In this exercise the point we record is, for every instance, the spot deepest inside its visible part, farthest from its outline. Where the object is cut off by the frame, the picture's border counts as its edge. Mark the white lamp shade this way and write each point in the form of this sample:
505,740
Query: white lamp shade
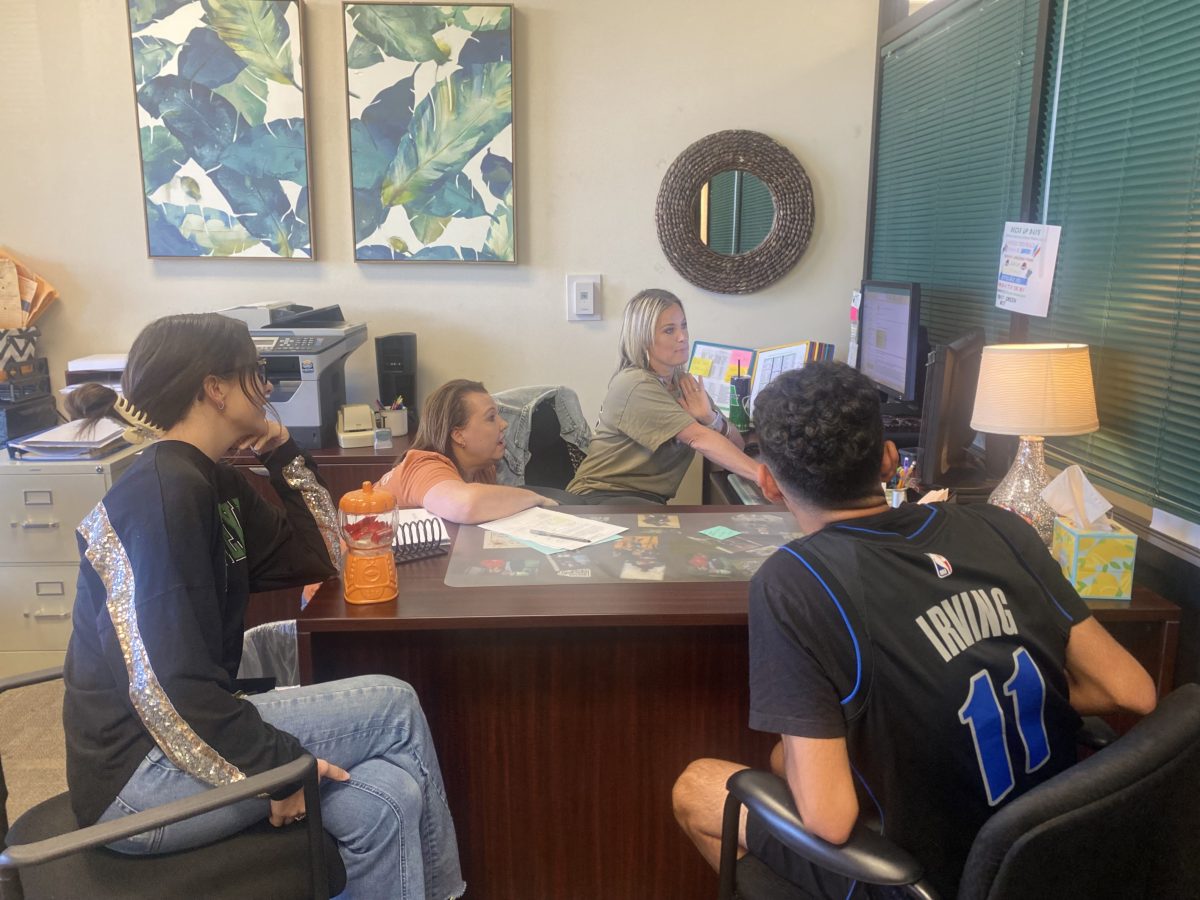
1035,389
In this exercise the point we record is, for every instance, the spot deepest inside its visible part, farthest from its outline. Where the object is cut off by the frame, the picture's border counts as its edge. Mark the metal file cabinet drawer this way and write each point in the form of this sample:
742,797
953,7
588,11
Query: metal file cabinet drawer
39,514
35,607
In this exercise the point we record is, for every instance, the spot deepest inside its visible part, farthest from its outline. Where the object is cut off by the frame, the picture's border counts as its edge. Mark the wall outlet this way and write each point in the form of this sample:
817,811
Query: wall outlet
583,298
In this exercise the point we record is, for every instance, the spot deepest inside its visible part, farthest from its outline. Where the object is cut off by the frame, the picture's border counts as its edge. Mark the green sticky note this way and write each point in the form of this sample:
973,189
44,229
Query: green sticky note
720,532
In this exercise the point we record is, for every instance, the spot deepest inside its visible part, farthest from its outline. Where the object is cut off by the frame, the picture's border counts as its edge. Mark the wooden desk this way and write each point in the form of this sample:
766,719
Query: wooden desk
563,715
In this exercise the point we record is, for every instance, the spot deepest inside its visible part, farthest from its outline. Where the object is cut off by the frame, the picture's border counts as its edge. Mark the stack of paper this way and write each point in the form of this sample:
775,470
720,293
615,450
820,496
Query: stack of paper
24,295
550,532
75,440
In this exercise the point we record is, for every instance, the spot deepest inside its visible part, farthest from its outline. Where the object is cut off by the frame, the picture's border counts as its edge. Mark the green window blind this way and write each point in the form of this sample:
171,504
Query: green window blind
1122,177
740,212
953,116
721,212
757,213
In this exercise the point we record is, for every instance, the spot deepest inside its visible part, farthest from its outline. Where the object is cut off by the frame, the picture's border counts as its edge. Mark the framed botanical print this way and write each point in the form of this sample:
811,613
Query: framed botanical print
222,133
429,94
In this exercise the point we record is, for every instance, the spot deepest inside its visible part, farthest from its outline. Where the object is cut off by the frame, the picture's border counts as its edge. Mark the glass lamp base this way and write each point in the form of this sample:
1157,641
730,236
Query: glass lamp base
1021,489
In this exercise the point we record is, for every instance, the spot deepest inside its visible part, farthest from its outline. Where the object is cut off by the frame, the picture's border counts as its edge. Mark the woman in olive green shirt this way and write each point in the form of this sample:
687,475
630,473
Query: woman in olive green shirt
655,415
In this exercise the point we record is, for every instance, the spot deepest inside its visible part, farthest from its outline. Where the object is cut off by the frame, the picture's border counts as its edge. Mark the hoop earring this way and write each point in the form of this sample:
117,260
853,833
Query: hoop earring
221,406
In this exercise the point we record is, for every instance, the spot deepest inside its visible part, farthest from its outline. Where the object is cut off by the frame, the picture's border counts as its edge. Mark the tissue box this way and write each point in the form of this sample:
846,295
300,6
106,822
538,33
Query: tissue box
1098,563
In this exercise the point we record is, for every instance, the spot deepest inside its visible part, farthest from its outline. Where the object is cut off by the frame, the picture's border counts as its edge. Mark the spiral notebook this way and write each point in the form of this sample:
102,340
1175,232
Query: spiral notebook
419,535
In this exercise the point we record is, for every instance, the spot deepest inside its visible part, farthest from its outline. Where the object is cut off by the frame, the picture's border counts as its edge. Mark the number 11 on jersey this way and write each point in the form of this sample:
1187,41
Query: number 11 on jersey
983,713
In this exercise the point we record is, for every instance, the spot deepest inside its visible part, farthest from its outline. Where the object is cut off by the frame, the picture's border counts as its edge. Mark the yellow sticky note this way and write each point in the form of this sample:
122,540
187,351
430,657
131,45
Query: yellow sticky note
731,372
701,366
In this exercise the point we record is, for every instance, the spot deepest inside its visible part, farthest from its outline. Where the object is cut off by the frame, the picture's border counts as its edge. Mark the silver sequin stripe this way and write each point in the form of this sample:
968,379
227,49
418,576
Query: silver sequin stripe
167,727
301,478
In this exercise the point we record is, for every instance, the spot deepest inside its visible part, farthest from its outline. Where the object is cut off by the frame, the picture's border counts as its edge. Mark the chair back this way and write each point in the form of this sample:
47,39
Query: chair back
547,437
1122,823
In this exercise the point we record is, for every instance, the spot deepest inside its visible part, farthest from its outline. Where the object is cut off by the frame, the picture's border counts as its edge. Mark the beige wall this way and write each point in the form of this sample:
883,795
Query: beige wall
607,94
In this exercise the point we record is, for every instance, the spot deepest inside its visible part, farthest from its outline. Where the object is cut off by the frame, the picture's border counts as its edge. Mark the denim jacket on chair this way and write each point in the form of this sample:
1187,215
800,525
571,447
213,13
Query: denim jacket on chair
516,405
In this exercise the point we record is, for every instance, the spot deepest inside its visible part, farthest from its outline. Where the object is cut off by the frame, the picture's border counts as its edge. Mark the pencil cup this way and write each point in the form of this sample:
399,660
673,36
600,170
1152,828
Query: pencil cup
396,421
895,496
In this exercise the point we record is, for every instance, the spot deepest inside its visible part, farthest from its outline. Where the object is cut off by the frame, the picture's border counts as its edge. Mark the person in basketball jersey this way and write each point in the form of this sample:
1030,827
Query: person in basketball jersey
924,665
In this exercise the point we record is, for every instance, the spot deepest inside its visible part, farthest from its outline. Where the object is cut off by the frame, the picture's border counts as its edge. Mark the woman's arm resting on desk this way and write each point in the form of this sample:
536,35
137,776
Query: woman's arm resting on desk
720,450
470,504
1102,675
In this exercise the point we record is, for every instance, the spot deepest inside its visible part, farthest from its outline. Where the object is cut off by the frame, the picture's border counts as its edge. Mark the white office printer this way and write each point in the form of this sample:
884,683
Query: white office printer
306,351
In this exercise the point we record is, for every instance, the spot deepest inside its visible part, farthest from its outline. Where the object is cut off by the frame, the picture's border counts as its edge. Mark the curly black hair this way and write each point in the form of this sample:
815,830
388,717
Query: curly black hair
821,433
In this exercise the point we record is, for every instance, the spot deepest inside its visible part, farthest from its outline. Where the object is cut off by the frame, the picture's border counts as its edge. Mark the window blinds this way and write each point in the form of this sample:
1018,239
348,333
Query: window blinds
1123,180
951,135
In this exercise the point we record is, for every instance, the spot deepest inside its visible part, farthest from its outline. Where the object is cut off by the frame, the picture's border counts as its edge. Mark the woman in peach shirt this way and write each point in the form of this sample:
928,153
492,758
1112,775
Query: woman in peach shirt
450,468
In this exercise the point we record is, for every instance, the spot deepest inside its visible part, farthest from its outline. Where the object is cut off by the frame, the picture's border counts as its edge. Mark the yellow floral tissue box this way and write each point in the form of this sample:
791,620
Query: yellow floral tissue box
1098,563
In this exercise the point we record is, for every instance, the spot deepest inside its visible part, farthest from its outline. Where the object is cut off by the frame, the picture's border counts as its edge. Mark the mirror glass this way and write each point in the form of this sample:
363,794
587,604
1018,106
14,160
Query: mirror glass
735,212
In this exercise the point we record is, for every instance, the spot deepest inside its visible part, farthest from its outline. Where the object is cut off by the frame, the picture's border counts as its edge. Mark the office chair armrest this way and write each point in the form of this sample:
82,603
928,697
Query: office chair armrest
27,678
1095,733
866,856
303,770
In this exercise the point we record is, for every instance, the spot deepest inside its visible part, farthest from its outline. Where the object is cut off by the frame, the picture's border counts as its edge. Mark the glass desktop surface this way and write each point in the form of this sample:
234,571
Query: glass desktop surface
665,547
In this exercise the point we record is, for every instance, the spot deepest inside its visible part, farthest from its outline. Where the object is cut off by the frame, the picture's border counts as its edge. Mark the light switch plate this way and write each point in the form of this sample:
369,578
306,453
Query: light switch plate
583,298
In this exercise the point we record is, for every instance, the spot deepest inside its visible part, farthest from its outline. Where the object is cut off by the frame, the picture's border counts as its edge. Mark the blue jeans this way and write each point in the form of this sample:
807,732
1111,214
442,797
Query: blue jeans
391,820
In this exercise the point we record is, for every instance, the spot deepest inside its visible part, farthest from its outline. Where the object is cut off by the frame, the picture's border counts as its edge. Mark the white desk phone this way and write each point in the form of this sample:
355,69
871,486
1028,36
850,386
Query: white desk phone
356,425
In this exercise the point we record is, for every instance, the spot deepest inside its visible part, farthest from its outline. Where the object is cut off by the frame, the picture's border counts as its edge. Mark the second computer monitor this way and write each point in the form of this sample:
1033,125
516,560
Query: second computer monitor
889,319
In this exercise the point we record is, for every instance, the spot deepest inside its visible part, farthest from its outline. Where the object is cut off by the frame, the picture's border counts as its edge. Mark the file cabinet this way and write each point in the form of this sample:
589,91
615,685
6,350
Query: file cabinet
41,503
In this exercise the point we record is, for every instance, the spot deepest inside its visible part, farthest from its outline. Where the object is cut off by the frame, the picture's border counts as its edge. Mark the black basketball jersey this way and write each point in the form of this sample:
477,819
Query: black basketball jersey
933,639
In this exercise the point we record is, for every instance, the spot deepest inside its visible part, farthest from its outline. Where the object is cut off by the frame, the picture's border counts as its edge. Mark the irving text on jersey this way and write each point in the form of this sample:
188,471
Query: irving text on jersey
965,618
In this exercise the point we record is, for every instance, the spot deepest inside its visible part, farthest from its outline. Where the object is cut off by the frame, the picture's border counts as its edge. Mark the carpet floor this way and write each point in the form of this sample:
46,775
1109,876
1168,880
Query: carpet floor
31,745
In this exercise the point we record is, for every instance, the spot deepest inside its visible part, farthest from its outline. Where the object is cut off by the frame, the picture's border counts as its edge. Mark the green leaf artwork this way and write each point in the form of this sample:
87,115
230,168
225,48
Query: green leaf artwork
401,31
363,53
150,55
221,123
247,94
431,170
257,32
162,157
461,116
482,18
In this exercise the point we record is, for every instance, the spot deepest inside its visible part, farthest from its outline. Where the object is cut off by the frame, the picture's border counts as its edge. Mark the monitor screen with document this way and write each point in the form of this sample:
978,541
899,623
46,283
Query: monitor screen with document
889,321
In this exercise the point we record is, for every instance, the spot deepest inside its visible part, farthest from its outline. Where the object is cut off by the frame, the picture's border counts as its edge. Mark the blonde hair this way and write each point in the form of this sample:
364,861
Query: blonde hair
445,410
637,327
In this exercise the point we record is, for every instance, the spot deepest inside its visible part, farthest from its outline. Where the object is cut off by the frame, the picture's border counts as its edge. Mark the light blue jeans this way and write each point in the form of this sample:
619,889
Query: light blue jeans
391,820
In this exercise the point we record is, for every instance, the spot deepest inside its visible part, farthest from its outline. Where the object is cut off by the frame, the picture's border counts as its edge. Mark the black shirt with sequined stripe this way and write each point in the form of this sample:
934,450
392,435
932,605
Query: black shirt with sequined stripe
169,559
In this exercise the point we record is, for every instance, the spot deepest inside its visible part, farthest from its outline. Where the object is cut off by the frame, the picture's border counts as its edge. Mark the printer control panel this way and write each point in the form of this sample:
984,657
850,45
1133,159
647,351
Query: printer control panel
298,344
304,343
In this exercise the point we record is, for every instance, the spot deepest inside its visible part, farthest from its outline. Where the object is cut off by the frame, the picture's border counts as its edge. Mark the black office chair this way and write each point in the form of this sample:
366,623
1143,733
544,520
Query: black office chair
1124,822
552,461
47,855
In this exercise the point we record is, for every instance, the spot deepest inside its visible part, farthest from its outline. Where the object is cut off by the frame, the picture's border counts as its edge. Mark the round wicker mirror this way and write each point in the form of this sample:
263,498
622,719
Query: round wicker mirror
677,213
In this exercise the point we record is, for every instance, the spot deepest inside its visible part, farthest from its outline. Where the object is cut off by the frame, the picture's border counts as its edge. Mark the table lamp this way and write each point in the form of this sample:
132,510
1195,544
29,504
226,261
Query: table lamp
1035,391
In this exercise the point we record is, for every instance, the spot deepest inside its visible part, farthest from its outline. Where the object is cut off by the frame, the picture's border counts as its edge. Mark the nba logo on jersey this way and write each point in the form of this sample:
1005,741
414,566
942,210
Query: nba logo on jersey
941,565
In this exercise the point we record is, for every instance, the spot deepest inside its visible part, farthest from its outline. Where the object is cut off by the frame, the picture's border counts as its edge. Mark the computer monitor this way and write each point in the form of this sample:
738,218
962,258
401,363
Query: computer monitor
946,434
888,324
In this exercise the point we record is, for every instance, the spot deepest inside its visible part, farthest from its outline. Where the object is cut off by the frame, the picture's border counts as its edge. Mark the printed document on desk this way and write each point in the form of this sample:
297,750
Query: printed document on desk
551,531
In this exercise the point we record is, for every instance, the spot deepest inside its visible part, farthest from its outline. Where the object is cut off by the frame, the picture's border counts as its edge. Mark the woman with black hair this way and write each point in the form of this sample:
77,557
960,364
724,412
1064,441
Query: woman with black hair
169,558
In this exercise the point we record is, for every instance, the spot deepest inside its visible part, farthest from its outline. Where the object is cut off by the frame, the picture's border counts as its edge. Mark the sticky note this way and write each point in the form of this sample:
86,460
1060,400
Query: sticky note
701,366
720,532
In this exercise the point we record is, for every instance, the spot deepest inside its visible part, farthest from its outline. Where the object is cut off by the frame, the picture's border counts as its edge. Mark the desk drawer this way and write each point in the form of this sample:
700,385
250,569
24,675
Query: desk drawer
40,512
35,607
